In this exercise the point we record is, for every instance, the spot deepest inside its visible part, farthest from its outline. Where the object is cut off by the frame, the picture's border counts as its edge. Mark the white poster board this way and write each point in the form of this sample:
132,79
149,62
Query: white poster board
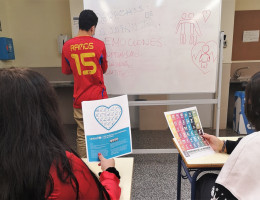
159,46
107,127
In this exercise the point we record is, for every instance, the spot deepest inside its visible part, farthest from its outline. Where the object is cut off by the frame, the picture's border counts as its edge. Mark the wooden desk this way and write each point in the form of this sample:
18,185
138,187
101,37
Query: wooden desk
125,168
198,165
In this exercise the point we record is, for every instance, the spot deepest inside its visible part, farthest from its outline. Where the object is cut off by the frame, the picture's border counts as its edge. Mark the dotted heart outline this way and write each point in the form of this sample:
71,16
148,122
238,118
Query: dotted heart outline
108,109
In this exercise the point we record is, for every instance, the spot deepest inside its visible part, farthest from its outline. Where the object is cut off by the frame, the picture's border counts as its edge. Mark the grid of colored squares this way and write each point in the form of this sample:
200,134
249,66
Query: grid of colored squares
187,130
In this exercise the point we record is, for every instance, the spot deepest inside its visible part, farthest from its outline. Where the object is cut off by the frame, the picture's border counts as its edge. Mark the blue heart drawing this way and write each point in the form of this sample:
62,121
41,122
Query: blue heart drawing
107,117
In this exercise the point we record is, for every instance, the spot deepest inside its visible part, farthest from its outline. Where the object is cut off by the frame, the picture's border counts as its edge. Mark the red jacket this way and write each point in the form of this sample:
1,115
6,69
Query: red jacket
87,185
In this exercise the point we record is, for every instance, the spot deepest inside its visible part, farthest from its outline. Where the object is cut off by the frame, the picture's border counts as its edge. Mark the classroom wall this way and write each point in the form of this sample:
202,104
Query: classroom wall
3,18
247,5
5,27
34,27
227,24
253,65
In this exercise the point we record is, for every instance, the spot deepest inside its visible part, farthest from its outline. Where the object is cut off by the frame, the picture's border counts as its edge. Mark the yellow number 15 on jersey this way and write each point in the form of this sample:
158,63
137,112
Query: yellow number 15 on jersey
80,59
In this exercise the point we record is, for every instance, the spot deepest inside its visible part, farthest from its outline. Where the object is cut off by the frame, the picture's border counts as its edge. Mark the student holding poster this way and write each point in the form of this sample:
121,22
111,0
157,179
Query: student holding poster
35,161
239,177
85,57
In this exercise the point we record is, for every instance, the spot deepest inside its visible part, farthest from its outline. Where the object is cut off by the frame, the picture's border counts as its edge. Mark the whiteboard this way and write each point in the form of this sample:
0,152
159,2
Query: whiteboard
159,46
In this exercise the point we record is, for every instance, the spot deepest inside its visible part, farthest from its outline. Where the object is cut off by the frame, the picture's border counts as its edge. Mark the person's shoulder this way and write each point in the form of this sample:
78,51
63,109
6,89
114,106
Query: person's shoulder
76,161
249,143
252,137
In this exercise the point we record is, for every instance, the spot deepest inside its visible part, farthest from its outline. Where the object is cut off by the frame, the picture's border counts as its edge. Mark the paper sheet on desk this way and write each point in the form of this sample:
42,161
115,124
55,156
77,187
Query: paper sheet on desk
107,127
187,131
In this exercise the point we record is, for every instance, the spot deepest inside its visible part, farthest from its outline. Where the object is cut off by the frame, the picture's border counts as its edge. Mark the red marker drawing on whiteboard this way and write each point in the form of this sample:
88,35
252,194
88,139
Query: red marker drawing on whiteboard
188,21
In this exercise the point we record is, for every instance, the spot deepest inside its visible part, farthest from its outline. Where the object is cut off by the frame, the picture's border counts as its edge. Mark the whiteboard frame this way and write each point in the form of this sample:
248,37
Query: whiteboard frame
216,101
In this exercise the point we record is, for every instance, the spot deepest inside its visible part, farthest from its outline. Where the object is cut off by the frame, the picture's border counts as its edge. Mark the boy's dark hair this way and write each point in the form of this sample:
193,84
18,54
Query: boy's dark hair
87,19
252,102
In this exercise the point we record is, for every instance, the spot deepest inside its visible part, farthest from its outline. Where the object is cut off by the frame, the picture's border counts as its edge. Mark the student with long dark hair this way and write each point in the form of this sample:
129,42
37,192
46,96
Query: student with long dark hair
35,161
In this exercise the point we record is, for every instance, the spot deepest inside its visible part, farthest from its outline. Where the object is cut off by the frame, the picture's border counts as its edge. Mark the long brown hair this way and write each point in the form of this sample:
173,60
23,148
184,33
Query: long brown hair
31,137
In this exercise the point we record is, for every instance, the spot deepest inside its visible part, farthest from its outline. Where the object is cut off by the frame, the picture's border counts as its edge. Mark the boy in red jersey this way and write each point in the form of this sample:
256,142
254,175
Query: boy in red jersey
85,57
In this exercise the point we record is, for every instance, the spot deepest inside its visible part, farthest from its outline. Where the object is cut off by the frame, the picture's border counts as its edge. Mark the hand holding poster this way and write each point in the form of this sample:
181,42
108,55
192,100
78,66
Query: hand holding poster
107,127
187,131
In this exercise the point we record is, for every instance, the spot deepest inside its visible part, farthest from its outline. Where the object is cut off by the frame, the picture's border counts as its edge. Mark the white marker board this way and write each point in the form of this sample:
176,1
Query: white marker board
159,46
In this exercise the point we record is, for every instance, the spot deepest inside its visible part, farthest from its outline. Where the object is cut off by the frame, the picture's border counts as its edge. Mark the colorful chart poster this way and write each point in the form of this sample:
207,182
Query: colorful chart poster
107,127
187,131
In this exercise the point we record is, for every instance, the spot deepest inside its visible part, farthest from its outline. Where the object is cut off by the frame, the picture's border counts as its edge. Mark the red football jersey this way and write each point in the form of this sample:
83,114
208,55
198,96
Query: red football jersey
85,57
